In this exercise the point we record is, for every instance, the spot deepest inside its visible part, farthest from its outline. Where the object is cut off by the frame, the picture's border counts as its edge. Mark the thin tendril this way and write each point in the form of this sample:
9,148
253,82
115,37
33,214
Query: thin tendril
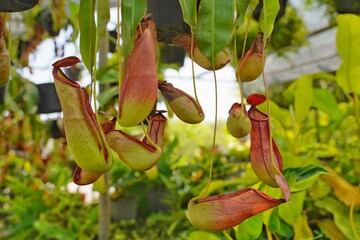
152,143
236,63
202,194
118,41
269,115
193,68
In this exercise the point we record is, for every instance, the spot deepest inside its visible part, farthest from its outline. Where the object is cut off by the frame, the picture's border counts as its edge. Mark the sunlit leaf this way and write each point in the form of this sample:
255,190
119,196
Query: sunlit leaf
132,11
250,228
277,112
291,211
87,33
331,230
214,26
343,190
303,97
348,42
268,16
202,235
302,229
341,215
324,101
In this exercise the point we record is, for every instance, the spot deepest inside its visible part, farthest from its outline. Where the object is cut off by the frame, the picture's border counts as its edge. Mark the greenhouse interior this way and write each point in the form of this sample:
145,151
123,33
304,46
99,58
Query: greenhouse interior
179,119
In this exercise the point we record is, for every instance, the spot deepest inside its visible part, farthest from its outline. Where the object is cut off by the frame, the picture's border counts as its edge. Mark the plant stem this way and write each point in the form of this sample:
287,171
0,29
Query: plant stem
104,199
203,193
104,211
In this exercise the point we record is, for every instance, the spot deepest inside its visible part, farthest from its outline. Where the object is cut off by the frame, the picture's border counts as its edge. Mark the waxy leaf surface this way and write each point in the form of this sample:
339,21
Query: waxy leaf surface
83,134
214,26
218,213
138,92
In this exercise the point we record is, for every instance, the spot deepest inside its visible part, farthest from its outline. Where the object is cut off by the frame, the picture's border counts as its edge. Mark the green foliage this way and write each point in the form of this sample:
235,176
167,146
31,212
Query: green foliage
348,40
241,7
250,228
103,17
303,97
340,214
268,16
189,12
87,33
132,12
214,26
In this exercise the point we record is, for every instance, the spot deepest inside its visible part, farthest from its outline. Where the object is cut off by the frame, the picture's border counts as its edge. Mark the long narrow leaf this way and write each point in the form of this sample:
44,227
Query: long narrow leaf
87,33
348,42
132,11
189,12
268,16
241,5
103,17
214,26
303,97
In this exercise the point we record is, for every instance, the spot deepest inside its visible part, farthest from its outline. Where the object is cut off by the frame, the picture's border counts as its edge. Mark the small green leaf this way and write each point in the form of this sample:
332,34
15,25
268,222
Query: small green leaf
348,42
132,12
303,97
250,228
87,33
291,211
324,101
274,221
268,16
277,112
302,178
189,12
214,26
202,235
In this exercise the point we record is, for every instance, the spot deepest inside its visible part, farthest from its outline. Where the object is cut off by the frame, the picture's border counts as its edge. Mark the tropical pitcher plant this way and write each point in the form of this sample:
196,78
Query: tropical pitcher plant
93,145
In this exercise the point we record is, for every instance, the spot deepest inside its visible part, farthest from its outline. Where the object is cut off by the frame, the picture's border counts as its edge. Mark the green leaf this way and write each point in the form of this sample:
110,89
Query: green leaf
324,101
250,229
302,178
274,221
348,46
189,12
132,11
276,112
103,17
242,6
73,18
341,215
202,235
303,97
87,33
214,26
268,16
291,211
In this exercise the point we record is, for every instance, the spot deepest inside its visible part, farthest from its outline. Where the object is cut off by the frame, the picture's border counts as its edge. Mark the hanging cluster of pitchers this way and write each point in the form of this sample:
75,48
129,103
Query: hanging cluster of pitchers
93,145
